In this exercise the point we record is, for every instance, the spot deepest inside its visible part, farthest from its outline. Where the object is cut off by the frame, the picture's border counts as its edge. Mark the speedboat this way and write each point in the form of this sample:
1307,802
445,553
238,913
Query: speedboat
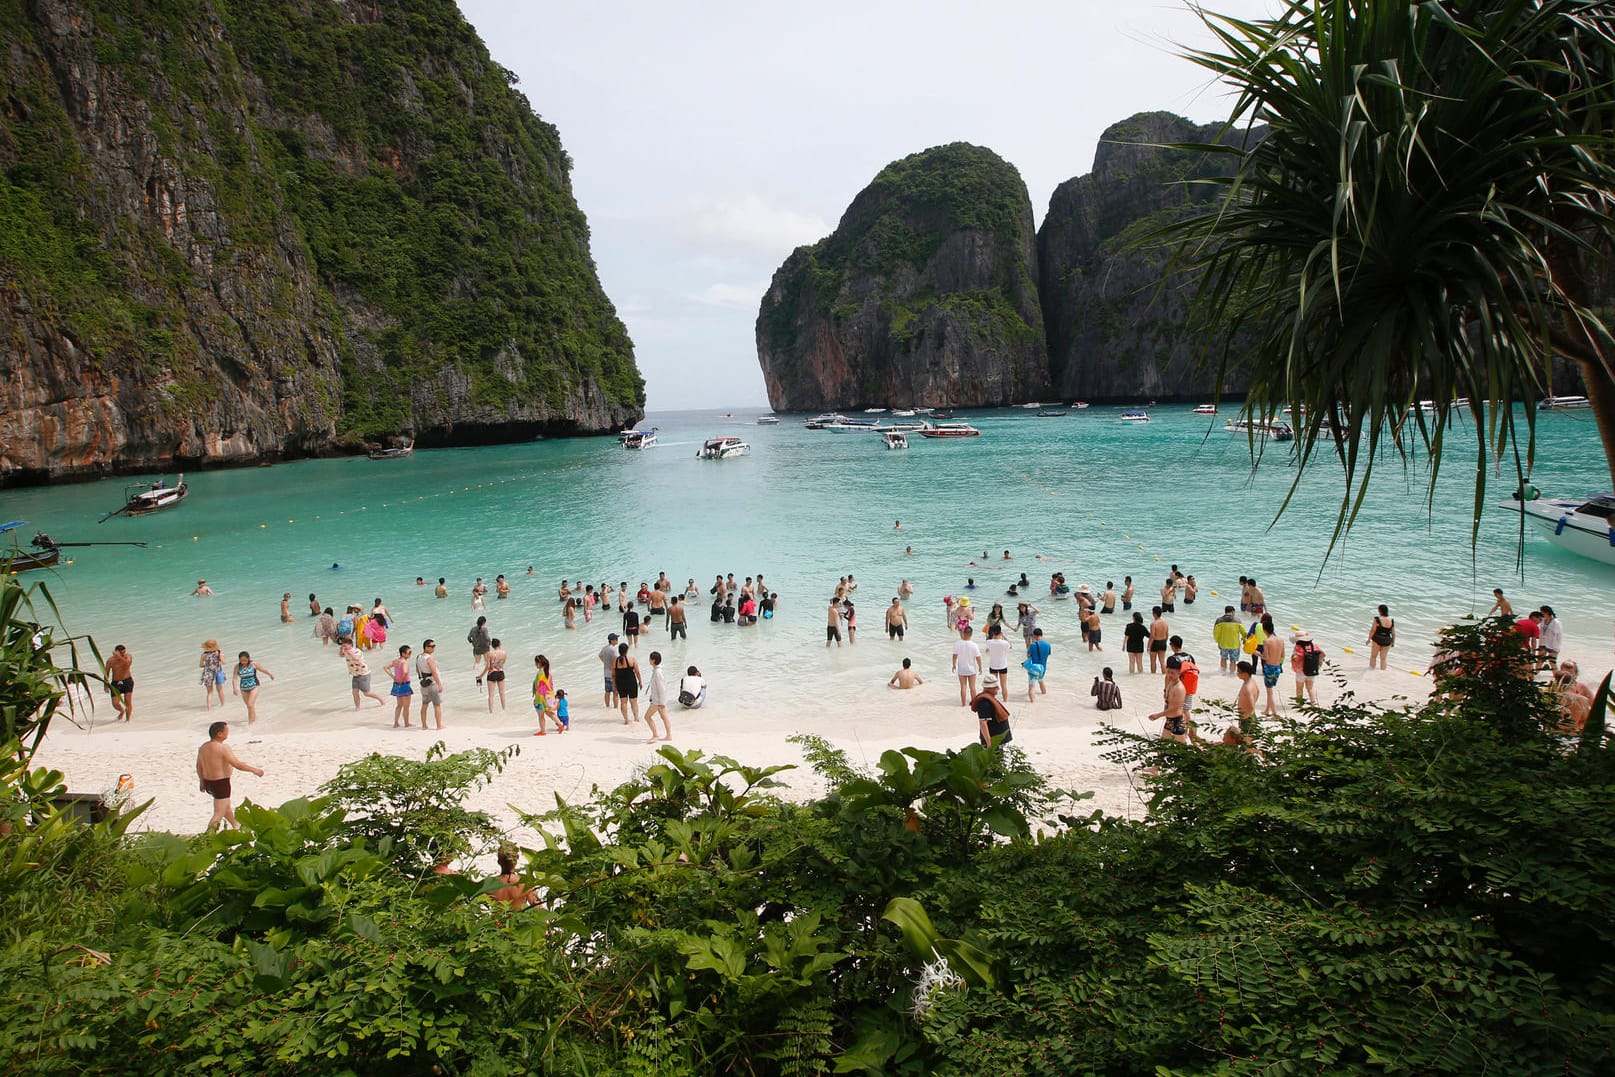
722,448
855,426
1585,527
824,419
767,420
1274,431
1564,403
1080,404
1033,404
1206,409
874,411
1052,413
638,439
903,428
144,498
895,439
903,413
950,430
1135,416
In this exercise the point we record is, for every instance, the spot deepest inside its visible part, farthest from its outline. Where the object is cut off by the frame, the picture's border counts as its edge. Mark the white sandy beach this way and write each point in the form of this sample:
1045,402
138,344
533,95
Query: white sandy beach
1058,734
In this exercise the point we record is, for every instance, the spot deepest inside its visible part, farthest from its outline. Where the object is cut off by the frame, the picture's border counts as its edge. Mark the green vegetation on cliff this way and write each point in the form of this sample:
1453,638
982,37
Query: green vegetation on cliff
349,200
898,223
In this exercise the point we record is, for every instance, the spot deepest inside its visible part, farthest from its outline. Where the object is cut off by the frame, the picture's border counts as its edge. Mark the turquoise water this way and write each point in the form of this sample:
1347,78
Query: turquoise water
1098,498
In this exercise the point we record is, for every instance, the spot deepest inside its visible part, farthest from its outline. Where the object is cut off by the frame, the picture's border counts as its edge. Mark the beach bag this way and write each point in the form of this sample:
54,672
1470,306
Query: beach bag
687,697
1384,634
1251,642
1311,660
1190,674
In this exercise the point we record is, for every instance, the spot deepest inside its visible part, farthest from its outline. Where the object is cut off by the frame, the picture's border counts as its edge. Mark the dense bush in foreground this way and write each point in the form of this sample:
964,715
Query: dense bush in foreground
1411,891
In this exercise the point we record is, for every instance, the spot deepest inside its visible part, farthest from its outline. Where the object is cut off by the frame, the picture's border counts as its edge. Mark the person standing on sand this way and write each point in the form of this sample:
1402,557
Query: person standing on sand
992,717
966,664
1381,637
480,641
1176,726
358,672
625,671
244,683
496,673
121,682
403,692
1159,631
608,656
995,649
212,666
431,681
896,620
832,625
1037,663
214,762
905,677
1272,652
1248,692
544,700
656,699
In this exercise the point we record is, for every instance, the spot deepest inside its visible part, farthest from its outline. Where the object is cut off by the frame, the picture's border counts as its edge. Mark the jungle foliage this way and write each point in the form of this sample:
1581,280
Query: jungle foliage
1415,890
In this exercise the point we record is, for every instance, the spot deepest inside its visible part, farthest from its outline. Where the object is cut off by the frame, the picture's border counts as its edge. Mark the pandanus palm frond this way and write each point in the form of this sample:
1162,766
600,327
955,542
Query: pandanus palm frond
1420,221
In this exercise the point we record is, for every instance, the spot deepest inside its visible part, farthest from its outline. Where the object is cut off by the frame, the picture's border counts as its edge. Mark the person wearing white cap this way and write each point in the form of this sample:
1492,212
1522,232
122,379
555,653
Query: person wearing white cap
992,717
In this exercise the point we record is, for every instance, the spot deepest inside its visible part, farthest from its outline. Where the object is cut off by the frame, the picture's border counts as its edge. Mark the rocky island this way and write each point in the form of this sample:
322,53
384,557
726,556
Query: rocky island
236,232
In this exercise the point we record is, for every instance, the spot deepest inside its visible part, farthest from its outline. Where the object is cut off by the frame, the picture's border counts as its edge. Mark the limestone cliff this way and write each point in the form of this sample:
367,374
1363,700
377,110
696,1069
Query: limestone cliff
1116,318
266,228
925,294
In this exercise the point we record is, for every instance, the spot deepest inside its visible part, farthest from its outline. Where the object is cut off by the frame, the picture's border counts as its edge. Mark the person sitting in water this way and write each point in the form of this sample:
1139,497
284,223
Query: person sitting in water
692,689
905,677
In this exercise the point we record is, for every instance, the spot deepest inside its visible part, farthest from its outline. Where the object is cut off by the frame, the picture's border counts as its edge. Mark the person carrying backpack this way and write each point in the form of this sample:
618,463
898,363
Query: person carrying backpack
1189,676
1306,662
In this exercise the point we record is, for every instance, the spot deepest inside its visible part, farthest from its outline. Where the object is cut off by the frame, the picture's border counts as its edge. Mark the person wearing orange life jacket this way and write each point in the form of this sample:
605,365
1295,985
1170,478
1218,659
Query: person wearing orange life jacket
1189,676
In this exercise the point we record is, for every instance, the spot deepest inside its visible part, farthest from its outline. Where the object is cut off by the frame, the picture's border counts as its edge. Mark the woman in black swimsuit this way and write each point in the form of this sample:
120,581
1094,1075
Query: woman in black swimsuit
625,676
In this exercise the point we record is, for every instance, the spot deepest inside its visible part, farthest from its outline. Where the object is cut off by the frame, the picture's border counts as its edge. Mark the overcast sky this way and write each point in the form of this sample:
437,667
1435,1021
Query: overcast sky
710,139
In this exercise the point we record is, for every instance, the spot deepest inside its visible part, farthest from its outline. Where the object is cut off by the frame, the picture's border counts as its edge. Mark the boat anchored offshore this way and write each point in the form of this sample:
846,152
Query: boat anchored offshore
47,552
824,419
1564,403
1135,416
392,452
950,430
768,420
144,498
637,439
722,448
1585,527
1272,431
895,439
1052,413
1206,409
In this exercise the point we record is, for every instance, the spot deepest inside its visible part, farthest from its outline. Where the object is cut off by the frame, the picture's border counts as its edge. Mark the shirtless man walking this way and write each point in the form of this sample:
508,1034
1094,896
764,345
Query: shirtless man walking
1248,693
121,682
1272,651
214,762
1176,727
896,620
1159,631
832,626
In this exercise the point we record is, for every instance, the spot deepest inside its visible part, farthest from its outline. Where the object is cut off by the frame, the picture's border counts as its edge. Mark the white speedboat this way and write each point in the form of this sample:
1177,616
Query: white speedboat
1080,404
1206,409
1032,406
1564,403
1135,416
722,448
1272,431
824,419
949,430
1585,526
903,413
903,428
874,411
768,420
638,439
895,439
855,426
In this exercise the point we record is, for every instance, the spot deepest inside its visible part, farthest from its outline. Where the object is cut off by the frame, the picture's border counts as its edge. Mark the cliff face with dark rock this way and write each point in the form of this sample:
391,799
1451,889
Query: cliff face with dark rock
925,294
247,230
1116,316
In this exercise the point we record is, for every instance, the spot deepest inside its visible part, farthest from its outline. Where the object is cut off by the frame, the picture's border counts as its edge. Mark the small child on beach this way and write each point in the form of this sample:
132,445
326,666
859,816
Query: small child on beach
562,715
